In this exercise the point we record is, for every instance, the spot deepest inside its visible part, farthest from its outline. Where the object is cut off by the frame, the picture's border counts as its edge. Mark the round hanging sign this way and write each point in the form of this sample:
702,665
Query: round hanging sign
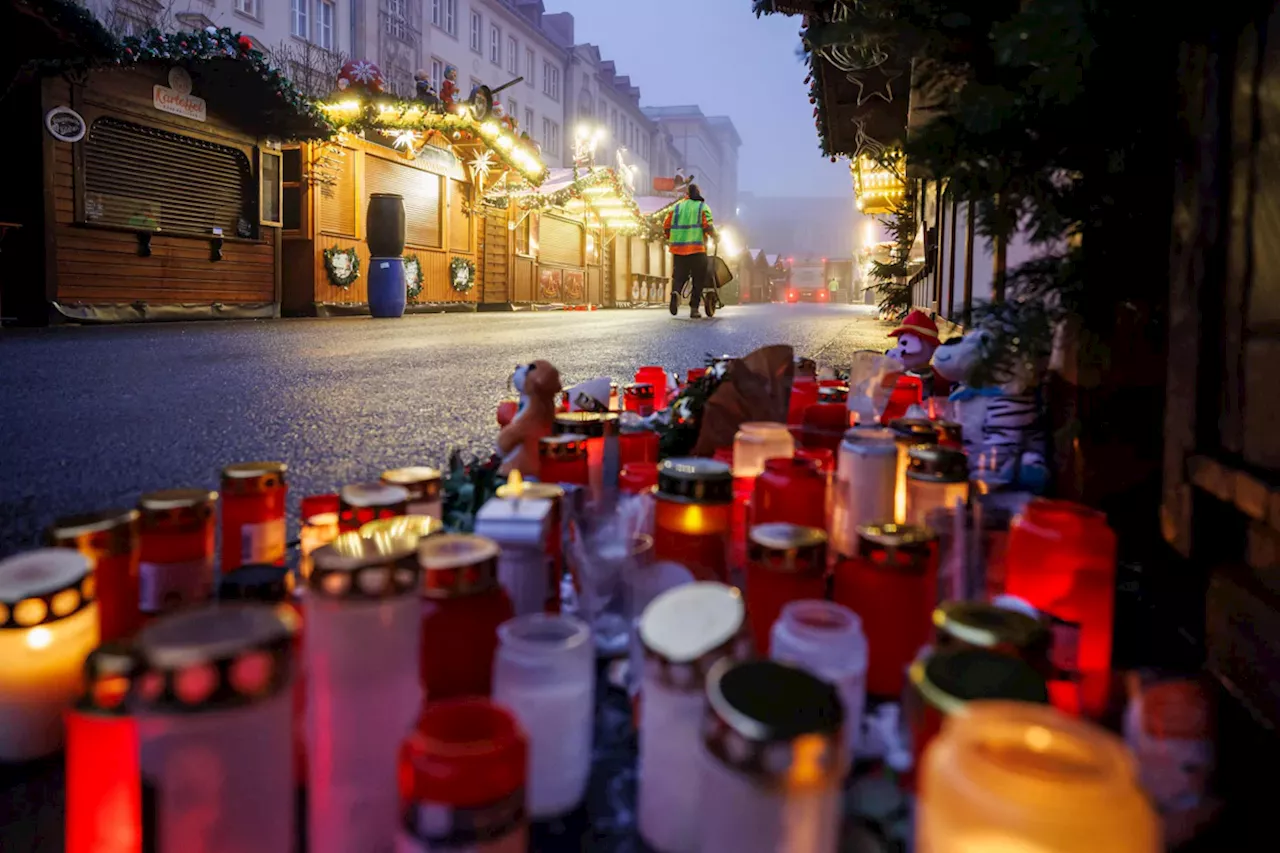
180,80
65,124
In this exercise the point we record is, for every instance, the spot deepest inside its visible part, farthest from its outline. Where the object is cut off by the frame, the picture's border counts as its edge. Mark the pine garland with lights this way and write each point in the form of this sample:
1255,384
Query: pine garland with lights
576,191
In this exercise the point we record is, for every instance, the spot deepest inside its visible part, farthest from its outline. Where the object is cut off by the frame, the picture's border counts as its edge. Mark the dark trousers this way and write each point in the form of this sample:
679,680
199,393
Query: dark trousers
686,267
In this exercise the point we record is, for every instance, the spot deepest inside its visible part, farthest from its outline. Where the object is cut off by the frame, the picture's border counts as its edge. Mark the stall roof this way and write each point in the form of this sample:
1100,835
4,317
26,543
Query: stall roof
54,33
597,190
652,205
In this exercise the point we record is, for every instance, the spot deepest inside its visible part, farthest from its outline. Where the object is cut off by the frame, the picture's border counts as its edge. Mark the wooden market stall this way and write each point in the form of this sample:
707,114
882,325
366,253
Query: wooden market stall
440,161
160,182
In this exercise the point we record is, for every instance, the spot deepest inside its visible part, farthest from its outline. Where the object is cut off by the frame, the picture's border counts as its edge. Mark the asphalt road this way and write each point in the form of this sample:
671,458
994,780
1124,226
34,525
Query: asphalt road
90,417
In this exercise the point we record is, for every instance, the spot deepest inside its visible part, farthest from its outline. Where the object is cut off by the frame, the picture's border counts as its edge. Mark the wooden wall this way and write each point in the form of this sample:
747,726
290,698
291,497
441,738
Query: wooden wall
96,265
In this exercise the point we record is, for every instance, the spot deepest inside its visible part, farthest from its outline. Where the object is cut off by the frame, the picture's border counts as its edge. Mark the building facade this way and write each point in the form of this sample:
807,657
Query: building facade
707,148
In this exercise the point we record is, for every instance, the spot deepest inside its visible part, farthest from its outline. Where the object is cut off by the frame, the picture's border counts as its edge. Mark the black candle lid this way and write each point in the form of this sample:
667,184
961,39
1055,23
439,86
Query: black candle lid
638,389
775,723
914,430
938,464
949,678
566,445
695,480
262,582
788,548
590,424
109,673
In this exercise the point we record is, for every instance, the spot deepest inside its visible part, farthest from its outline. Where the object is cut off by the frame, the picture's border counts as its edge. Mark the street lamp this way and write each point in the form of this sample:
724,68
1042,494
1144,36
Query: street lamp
729,245
586,140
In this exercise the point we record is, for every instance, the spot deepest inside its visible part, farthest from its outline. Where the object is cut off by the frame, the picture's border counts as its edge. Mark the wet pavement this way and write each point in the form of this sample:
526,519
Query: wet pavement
93,416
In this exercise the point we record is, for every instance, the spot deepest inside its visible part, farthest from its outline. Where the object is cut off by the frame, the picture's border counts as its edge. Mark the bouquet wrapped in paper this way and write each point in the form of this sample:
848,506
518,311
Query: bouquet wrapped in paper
756,387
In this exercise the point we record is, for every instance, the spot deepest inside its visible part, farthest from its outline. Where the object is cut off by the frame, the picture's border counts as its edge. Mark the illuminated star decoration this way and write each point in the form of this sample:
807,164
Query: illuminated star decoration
481,165
886,95
406,140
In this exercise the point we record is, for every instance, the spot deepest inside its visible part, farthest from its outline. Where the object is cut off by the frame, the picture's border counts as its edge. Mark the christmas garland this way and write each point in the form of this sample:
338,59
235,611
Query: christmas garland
576,191
462,274
342,266
412,277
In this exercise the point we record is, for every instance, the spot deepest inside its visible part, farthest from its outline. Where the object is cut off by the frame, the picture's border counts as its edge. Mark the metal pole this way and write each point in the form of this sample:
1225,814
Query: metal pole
941,195
968,263
951,285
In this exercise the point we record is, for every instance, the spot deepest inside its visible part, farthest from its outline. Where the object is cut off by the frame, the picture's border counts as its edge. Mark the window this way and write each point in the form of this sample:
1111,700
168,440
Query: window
444,14
528,121
495,44
513,56
477,32
437,73
524,233
324,24
298,18
396,20
513,108
530,65
270,187
550,80
551,137
247,7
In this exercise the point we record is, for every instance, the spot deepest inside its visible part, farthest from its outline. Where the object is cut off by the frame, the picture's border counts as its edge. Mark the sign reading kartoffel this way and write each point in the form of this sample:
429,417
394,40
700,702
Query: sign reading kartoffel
169,100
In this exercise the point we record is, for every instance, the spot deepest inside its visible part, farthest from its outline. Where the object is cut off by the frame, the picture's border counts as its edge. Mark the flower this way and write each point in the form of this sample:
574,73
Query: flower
245,43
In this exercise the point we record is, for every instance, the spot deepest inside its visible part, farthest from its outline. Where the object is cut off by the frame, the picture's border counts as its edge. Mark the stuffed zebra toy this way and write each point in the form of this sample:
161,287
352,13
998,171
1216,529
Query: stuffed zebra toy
1004,430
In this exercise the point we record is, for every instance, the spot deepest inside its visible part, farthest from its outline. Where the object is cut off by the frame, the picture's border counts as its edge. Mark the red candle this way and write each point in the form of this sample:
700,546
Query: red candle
253,514
907,391
462,607
804,393
462,780
891,584
694,374
824,425
109,540
563,459
640,445
104,803
693,511
656,378
785,563
826,459
1062,561
361,503
638,397
319,505
833,391
793,491
176,533
638,477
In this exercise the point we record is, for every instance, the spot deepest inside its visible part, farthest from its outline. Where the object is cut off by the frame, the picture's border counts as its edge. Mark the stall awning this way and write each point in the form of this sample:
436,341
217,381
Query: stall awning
596,193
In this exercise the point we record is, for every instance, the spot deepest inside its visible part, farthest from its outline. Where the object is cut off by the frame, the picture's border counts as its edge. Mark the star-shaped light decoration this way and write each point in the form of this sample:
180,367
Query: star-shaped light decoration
885,94
407,140
481,165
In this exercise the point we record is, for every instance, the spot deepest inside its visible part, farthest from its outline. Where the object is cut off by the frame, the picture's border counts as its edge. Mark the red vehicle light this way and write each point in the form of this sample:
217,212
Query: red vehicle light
793,296
823,296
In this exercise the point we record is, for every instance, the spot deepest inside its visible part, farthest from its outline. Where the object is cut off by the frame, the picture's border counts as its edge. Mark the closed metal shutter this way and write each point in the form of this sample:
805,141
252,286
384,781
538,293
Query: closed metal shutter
459,221
421,191
146,179
560,241
338,197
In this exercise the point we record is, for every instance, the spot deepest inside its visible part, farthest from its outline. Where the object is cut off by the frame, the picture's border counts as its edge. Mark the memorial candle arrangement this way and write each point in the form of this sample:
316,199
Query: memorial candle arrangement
545,674
425,486
104,802
462,606
685,632
1011,776
890,583
772,777
109,540
215,727
176,545
48,626
462,777
563,459
361,503
936,478
253,513
865,485
693,513
785,563
826,639
363,689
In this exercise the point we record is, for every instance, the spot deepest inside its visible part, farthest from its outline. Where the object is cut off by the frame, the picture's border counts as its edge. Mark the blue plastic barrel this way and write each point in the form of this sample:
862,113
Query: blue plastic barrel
387,289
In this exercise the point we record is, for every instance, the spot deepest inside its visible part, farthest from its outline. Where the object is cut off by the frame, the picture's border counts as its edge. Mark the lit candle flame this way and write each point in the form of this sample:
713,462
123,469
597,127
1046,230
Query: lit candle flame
515,485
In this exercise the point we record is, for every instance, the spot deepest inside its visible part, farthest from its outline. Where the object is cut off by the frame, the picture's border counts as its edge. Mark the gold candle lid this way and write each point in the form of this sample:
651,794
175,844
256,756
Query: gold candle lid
417,526
937,464
373,495
354,567
986,626
423,483
44,586
246,478
564,446
687,630
177,505
914,431
70,529
457,564
894,537
789,548
948,679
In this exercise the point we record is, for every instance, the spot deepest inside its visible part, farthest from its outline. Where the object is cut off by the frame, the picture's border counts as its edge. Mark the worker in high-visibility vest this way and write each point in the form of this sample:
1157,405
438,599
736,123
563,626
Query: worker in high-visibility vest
687,227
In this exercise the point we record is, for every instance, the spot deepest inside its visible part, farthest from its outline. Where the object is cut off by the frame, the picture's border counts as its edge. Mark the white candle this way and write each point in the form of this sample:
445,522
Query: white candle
520,527
48,626
866,483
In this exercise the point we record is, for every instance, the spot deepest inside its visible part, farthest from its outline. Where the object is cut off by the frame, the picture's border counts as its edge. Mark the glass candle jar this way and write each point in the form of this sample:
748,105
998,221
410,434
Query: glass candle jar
638,397
545,674
637,445
785,563
792,491
515,489
563,459
319,527
463,772
600,428
215,728
693,512
656,378
363,690
425,486
1062,561
104,809
607,561
462,606
521,528
804,393
865,485
772,777
694,374
908,433
685,631
362,503
936,477
904,392
175,539
110,542
826,639
979,625
1011,776
317,504
638,477
824,425
890,584
756,442
944,681
972,544
48,626
829,393
253,513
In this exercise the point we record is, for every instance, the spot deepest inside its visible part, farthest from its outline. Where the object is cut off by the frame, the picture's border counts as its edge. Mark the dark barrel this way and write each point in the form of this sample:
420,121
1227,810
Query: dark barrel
384,225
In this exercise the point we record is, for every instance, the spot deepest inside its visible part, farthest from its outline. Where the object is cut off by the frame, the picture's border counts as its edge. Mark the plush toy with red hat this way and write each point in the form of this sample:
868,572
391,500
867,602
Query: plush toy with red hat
917,339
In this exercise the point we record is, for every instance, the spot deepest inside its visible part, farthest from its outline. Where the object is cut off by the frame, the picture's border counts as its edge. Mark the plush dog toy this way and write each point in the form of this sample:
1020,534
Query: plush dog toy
538,384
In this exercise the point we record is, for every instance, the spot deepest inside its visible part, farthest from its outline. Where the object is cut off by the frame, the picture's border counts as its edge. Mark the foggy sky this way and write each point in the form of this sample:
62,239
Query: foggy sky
715,53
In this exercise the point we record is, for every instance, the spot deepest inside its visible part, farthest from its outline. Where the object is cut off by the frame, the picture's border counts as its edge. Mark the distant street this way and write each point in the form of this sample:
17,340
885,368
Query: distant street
91,417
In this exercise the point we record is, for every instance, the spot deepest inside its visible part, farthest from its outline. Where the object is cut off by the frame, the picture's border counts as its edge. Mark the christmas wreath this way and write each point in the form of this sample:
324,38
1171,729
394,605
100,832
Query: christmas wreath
342,266
462,274
412,277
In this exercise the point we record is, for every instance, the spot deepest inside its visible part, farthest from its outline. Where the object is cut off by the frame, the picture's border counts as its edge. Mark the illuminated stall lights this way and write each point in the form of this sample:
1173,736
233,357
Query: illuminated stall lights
877,189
